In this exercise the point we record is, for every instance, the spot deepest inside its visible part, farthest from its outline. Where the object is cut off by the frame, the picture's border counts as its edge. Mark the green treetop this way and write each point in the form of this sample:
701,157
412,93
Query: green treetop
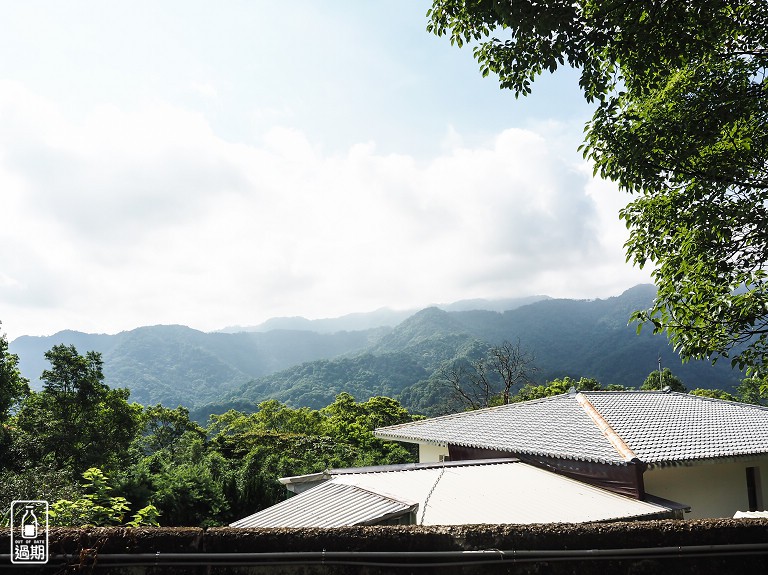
13,387
77,421
681,122
662,379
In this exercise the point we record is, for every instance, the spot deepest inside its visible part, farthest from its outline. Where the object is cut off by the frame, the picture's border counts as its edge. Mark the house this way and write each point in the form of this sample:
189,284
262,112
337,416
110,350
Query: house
710,454
450,493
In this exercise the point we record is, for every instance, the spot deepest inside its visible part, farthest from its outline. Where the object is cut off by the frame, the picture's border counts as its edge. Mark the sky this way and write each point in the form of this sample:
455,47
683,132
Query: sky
219,163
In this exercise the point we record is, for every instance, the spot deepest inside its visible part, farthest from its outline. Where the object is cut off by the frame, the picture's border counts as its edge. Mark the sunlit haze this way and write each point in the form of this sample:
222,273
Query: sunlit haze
215,164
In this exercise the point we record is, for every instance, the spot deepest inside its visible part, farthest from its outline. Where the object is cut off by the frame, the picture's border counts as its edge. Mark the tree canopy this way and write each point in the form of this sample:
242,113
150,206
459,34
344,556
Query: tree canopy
680,122
77,419
13,386
662,379
557,386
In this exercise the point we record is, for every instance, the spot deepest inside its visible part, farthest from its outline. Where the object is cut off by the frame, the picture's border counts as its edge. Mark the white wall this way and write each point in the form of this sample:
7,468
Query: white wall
429,453
711,489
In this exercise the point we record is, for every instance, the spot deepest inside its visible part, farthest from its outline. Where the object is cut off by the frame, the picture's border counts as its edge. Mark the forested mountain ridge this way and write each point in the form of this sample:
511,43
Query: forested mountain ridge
176,365
311,384
209,372
567,338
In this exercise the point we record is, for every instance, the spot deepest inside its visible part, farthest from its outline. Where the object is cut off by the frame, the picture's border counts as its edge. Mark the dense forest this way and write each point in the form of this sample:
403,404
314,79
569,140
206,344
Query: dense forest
305,363
101,459
104,460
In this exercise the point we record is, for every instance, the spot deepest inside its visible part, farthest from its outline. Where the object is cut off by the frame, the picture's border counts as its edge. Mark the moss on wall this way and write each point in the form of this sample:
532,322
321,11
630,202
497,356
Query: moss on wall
107,547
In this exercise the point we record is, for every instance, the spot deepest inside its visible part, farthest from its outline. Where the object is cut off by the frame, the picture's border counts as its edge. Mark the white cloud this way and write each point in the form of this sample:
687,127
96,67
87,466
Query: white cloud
205,90
127,217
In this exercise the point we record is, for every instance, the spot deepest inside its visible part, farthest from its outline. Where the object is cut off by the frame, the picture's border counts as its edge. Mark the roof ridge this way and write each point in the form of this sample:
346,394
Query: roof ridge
461,414
605,428
382,494
428,465
735,403
686,394
633,392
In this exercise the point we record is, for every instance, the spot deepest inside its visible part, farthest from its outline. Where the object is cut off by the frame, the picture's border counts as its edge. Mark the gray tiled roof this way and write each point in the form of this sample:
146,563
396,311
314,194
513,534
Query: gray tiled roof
659,427
667,427
554,426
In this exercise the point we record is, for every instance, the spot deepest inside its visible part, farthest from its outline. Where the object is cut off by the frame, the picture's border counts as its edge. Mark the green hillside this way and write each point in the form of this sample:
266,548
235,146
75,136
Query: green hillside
211,372
177,365
568,338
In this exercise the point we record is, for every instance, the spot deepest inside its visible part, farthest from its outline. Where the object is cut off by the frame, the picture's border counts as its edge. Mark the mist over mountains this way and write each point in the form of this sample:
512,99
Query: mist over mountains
399,354
379,318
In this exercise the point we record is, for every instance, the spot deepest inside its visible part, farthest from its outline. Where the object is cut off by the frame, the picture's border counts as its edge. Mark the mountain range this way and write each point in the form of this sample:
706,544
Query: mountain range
400,354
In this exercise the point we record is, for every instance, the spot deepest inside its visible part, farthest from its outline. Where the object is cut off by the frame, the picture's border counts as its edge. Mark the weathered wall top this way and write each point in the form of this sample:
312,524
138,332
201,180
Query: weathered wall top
701,547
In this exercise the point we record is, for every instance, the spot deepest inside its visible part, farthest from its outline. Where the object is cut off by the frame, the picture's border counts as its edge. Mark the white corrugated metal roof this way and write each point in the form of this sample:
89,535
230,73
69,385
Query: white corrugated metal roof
510,492
328,505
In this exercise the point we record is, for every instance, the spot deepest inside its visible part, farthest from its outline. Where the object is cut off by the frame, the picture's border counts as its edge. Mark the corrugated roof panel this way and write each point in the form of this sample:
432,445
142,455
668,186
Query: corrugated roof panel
501,493
327,505
457,495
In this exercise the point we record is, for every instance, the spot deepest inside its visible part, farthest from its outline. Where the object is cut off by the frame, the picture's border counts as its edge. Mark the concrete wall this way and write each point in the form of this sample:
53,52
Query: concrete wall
711,489
430,453
674,547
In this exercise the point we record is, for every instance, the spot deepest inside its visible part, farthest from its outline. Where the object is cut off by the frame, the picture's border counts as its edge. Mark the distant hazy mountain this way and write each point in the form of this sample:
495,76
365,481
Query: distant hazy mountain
314,360
499,305
383,317
566,337
177,365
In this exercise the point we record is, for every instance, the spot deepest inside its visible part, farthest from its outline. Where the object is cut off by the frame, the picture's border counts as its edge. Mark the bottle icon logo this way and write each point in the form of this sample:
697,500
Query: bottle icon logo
29,523
29,532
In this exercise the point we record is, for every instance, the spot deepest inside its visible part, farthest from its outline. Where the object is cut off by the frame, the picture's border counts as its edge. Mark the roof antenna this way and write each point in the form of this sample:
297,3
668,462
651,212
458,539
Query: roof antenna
661,381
